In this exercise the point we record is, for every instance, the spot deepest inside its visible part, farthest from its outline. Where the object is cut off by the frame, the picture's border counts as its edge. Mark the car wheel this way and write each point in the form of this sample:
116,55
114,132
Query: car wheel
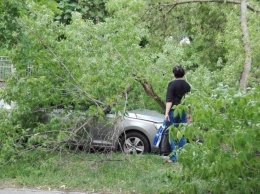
134,143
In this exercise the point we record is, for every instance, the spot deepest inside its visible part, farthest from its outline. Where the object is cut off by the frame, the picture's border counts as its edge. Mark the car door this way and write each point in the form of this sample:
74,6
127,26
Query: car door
105,131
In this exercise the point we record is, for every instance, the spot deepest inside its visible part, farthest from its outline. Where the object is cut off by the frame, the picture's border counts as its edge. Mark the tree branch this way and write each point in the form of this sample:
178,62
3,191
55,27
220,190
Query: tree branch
63,65
207,1
149,90
107,108
97,102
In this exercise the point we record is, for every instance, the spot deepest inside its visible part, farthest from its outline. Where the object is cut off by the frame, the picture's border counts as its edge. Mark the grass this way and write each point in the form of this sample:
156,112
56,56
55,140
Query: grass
103,173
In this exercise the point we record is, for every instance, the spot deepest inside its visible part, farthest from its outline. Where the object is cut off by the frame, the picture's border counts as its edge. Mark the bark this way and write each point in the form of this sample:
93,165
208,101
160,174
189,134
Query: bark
149,91
247,48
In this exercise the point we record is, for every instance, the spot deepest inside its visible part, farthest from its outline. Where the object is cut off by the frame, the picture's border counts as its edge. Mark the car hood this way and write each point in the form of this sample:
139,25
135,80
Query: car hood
144,114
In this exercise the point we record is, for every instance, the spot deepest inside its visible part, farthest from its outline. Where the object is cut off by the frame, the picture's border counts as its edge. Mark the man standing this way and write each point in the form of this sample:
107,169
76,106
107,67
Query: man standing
177,88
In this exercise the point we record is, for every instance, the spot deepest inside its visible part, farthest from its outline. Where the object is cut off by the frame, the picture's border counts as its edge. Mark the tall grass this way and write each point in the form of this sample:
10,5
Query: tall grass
104,173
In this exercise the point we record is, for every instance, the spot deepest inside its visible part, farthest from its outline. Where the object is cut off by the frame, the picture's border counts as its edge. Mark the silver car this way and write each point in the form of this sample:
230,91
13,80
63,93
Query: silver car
132,133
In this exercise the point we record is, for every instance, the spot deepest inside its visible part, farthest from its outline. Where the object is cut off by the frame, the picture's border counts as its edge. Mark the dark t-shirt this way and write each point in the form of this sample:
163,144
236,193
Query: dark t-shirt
176,90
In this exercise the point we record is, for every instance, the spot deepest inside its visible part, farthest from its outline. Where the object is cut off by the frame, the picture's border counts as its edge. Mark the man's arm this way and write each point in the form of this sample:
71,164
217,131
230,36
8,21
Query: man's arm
167,110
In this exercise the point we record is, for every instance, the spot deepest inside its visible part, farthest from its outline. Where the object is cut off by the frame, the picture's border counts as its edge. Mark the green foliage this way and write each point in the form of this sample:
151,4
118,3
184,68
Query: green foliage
9,27
90,10
83,54
228,122
11,11
12,137
202,23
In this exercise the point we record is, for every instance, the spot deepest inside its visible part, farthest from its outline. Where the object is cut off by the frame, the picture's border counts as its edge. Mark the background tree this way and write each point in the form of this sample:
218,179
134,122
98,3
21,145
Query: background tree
247,46
90,10
9,27
207,32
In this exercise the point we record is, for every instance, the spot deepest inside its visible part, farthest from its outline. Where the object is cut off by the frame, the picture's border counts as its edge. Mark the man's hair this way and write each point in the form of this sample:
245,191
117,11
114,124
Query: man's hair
178,71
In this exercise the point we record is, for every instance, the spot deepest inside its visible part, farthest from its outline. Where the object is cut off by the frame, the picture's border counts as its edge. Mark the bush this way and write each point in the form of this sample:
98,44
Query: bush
228,159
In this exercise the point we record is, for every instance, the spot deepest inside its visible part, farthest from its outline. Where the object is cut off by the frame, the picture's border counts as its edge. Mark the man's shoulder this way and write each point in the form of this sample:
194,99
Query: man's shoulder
177,81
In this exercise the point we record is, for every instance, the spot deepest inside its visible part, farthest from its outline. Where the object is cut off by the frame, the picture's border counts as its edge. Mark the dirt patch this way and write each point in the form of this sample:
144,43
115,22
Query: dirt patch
8,184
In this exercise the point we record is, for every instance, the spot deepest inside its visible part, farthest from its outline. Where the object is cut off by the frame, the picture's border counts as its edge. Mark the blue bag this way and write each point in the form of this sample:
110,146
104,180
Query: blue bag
159,134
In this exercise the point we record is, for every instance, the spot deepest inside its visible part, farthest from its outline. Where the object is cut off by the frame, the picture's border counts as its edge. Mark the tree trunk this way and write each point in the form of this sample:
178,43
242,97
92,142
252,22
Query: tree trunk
247,49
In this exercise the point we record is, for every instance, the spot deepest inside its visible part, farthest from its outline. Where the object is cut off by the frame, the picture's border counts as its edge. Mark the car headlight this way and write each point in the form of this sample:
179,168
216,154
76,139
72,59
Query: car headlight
158,125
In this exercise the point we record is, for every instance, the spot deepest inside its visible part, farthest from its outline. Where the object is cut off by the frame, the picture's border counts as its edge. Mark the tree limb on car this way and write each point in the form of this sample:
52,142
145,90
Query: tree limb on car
107,108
